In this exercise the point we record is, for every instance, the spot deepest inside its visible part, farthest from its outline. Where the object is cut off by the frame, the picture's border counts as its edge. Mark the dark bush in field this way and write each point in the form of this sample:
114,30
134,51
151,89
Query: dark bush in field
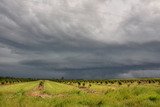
79,84
2,82
90,85
83,84
106,82
119,83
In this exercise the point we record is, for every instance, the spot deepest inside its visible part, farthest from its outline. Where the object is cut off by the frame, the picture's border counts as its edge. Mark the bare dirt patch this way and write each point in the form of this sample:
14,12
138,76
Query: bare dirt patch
86,89
39,91
39,94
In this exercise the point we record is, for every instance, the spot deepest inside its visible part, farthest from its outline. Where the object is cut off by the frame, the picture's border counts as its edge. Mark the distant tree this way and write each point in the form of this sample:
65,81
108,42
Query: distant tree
62,78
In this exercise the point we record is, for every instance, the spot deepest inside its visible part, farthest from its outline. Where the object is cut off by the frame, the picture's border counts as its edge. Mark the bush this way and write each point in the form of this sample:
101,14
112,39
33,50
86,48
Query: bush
83,84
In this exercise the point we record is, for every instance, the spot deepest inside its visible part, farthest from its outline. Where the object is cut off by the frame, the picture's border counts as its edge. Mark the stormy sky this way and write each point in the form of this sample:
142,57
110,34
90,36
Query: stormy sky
89,39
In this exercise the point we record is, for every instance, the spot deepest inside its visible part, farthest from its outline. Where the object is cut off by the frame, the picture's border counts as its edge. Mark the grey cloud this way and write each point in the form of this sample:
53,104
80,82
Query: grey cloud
79,39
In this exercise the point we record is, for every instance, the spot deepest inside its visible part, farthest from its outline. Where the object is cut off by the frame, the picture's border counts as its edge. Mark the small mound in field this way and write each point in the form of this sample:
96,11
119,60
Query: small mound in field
40,88
91,91
42,95
82,87
87,90
60,95
45,95
38,94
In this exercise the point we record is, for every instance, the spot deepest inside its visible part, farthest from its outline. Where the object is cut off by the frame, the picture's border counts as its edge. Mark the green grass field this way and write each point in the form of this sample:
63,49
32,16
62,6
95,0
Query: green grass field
54,94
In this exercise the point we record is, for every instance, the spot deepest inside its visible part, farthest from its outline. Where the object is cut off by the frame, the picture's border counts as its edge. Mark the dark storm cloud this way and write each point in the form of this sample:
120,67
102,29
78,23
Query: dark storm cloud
79,39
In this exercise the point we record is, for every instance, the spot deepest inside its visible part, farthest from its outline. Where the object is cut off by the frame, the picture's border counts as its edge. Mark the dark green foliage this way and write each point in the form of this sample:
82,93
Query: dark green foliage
106,82
139,82
2,82
152,98
79,84
119,83
83,84
11,80
41,83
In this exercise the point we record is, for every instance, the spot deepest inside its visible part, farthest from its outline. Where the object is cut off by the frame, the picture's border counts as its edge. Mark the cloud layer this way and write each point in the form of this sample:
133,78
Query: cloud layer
80,39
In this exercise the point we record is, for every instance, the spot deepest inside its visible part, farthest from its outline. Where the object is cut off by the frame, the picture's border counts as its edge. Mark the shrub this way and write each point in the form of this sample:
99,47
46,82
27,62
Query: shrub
79,84
119,83
83,84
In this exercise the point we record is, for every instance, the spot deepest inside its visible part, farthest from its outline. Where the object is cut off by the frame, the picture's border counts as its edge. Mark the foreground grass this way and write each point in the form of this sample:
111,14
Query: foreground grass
62,95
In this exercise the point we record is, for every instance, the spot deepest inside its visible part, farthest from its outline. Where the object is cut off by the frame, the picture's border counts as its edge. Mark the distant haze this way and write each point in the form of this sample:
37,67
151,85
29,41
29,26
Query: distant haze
89,39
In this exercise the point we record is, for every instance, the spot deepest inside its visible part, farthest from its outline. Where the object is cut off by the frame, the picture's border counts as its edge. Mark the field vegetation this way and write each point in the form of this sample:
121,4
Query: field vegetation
80,93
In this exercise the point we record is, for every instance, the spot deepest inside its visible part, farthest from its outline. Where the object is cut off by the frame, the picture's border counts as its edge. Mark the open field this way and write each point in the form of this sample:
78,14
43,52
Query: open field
45,93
